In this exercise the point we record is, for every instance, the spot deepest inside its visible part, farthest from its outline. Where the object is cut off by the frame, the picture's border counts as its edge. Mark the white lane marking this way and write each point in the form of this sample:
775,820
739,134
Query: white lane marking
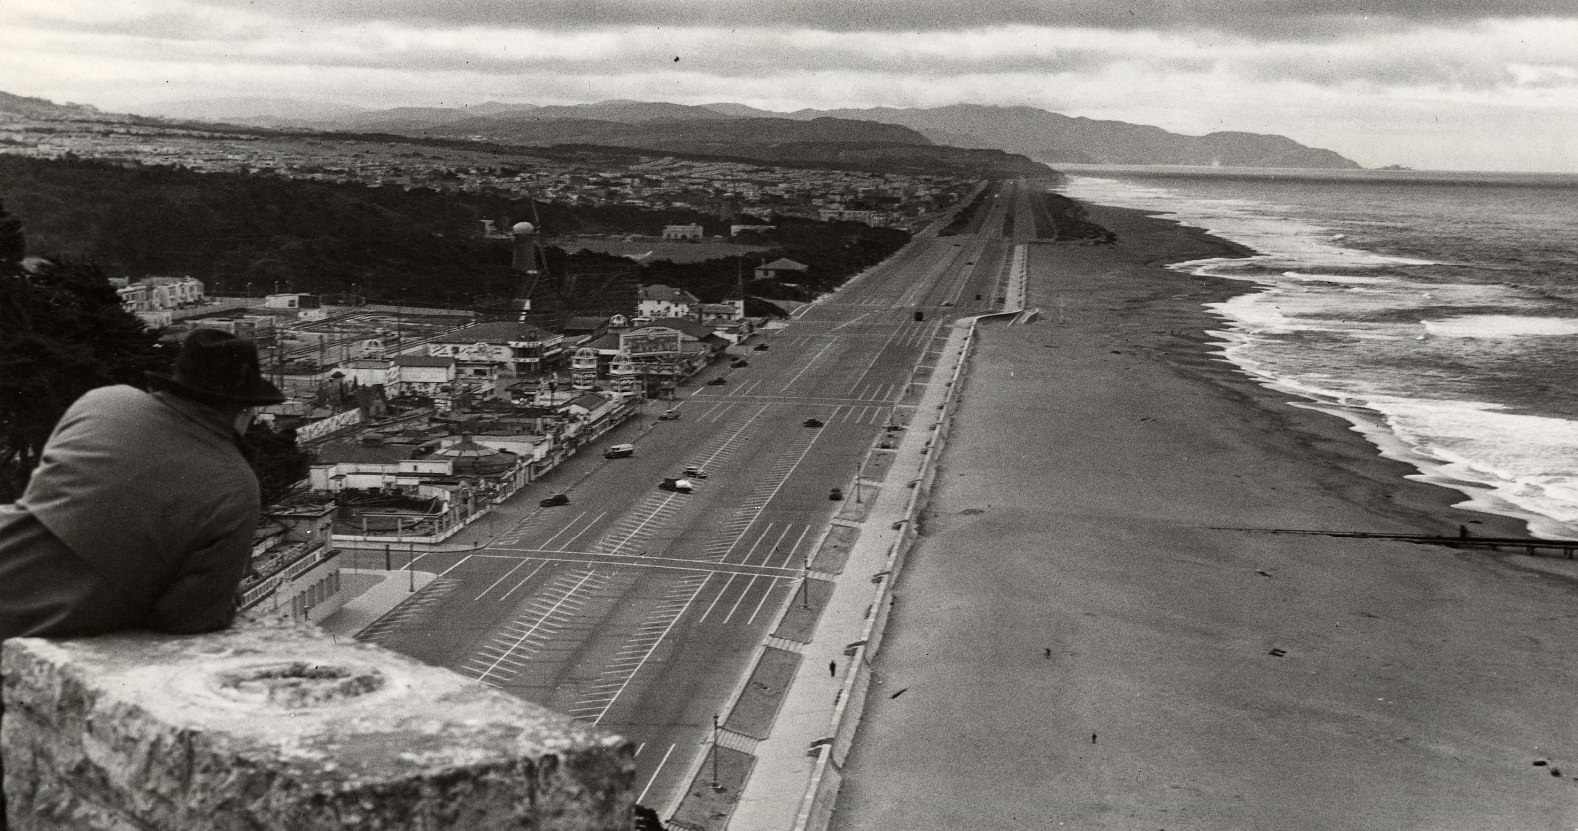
852,321
763,602
741,599
808,365
540,621
524,581
719,597
655,773
501,579
650,652
568,526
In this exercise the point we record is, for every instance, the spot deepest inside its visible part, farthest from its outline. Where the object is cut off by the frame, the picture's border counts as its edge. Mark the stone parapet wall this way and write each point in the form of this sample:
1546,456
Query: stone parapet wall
282,727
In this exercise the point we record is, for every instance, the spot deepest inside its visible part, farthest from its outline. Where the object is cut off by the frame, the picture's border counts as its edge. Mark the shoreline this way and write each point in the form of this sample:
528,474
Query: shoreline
1125,660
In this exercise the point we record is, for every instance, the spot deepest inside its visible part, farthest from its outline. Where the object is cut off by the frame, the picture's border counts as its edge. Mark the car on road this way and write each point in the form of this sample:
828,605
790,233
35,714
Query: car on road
813,422
619,451
676,485
947,302
555,501
836,494
696,472
716,382
760,347
669,415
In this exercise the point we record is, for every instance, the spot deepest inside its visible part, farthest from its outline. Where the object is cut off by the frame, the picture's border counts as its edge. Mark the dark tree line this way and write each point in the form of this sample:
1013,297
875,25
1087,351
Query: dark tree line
63,332
258,233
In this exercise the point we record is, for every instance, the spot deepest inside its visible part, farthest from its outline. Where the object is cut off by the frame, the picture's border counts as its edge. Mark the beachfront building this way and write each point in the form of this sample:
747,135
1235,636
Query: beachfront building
667,350
370,372
260,329
658,301
516,349
294,572
583,369
425,491
715,314
424,375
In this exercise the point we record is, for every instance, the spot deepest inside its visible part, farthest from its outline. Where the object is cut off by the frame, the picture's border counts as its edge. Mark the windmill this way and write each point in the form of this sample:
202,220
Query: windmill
547,301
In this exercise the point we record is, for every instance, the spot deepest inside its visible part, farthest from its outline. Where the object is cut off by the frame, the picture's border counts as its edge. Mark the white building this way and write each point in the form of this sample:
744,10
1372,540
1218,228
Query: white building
424,374
372,372
682,232
660,301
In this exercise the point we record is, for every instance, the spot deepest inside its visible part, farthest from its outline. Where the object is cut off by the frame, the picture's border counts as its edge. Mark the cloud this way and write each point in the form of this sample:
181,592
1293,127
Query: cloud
1312,18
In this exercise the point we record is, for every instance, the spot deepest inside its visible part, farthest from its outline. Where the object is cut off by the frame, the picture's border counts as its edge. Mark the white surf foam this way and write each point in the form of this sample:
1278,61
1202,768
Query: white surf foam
1504,463
1501,326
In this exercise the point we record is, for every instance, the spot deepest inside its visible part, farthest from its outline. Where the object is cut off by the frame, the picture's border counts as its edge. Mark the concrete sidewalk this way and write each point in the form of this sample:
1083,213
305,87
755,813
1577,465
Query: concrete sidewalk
392,588
776,790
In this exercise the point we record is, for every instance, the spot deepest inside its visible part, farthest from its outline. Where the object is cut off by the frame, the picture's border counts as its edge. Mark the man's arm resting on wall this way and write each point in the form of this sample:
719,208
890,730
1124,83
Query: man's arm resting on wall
202,597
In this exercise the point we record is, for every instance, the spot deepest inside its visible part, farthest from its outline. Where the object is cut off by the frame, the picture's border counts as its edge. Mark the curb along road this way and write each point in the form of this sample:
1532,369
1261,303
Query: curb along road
796,777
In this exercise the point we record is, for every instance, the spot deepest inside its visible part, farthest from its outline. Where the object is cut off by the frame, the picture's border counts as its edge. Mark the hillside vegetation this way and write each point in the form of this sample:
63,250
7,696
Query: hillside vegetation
258,233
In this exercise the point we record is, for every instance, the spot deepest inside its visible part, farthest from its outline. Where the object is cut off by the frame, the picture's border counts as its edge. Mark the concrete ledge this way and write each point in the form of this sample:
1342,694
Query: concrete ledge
282,727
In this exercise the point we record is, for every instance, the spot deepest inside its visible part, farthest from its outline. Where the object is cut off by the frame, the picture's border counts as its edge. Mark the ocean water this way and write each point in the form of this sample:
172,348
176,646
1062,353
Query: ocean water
1436,312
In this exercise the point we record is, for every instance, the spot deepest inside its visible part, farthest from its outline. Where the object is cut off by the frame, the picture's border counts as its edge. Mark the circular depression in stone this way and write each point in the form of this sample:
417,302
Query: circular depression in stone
297,684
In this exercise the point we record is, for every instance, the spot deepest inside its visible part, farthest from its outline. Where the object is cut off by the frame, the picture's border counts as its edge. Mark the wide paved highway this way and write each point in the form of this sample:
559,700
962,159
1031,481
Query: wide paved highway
637,609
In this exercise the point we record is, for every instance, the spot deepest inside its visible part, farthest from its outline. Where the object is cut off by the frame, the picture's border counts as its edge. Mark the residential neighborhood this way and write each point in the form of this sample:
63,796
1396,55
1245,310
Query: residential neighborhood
643,179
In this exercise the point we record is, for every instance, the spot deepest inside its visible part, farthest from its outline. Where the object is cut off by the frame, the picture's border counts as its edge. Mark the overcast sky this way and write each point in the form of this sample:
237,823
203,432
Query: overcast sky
1447,84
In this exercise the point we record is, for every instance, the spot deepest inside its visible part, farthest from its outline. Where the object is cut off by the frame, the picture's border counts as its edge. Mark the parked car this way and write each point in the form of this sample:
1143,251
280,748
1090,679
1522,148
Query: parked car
813,422
836,494
716,382
760,347
669,415
619,451
676,485
695,472
740,363
555,501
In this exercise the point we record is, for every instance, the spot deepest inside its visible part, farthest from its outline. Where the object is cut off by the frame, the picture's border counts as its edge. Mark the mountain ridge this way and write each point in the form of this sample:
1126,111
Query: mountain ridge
1043,137
1056,138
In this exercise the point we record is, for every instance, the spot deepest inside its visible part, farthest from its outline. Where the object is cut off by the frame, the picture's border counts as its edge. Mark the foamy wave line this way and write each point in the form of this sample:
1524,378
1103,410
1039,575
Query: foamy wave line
1547,504
1501,326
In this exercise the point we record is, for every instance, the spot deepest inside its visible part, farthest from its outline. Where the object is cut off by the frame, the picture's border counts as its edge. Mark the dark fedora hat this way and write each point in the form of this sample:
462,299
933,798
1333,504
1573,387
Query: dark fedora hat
219,367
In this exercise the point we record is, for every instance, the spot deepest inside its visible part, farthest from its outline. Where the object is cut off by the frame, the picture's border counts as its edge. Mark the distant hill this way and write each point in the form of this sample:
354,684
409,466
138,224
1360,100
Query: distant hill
252,110
42,109
828,142
1054,138
628,112
741,131
1043,136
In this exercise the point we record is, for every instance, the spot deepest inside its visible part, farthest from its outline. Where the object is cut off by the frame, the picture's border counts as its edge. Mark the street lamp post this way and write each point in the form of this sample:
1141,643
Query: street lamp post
714,751
805,582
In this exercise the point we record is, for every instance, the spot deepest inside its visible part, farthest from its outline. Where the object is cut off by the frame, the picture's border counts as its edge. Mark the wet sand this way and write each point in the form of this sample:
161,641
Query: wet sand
1082,644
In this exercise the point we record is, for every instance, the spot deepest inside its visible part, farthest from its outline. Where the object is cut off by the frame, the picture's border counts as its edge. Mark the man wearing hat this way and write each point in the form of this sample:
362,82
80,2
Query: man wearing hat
141,512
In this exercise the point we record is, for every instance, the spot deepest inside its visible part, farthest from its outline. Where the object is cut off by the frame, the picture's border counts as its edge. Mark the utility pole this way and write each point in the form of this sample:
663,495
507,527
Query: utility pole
805,582
714,751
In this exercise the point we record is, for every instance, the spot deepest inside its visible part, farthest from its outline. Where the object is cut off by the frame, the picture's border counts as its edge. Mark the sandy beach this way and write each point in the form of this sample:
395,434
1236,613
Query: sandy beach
1082,640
